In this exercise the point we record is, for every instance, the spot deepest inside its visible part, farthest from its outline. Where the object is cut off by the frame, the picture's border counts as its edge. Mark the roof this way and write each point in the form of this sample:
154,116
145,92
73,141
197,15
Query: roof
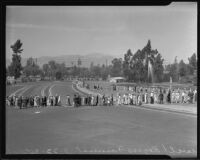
115,78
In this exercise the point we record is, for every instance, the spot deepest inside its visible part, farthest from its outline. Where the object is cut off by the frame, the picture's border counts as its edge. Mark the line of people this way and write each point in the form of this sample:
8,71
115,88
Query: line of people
134,98
33,101
90,100
154,94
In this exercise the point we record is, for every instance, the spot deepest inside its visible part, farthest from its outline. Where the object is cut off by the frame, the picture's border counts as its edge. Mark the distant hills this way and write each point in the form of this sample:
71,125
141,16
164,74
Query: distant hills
96,58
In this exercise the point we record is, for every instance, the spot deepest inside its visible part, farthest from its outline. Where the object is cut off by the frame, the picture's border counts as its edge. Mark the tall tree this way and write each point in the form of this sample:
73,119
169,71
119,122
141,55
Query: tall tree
52,67
182,68
46,70
79,62
139,65
116,67
174,70
15,67
126,64
158,67
192,63
31,68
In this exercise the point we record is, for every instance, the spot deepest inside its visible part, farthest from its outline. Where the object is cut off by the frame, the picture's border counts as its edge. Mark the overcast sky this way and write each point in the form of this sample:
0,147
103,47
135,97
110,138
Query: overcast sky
60,30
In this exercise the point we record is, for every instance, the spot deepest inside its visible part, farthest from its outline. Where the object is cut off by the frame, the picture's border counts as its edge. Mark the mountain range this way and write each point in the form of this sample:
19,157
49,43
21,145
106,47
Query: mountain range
96,58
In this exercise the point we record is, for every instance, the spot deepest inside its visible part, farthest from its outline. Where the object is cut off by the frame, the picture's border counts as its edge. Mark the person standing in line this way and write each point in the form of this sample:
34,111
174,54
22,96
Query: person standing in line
35,101
182,96
134,98
139,99
49,101
27,102
56,99
169,97
44,101
30,100
145,97
75,100
195,96
86,100
23,102
118,99
40,101
155,97
128,99
16,101
111,100
20,102
177,96
124,99
89,100
8,101
79,100
83,101
92,100
97,99
152,97
59,100
11,101
104,100
190,95
161,97
68,100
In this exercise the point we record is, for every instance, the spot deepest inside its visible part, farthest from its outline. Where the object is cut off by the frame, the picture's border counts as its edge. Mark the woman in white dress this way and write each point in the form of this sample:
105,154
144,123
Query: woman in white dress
35,101
48,101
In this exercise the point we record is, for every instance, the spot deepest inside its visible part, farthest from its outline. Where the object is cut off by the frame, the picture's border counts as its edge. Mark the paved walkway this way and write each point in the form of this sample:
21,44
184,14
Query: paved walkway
183,108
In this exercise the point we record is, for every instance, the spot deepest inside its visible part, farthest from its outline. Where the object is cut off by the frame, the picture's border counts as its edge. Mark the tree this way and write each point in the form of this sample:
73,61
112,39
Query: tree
117,67
192,63
158,68
138,65
174,70
52,67
126,64
15,67
58,75
182,69
16,47
46,70
79,62
31,68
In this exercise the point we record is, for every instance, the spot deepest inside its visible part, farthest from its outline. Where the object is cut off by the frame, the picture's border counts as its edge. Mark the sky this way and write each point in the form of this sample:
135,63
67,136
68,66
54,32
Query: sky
110,30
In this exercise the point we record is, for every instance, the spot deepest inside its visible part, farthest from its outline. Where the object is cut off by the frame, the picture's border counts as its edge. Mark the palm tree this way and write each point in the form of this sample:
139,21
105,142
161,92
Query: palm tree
16,47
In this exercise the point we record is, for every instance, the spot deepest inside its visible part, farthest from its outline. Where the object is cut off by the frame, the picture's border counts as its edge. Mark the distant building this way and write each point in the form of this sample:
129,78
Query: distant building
116,79
35,78
10,79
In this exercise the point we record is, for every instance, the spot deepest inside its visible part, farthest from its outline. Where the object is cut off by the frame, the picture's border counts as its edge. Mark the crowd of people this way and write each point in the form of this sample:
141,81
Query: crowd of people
32,101
129,96
138,94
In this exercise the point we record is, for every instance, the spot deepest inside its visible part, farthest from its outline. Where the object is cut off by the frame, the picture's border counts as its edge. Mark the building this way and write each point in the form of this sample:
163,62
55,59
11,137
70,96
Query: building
35,78
116,79
10,79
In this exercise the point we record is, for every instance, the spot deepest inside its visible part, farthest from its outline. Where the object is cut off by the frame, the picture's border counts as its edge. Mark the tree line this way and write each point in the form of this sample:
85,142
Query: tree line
133,66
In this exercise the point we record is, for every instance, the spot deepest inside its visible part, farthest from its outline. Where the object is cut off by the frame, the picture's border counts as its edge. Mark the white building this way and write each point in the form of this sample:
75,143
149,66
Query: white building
116,79
10,79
